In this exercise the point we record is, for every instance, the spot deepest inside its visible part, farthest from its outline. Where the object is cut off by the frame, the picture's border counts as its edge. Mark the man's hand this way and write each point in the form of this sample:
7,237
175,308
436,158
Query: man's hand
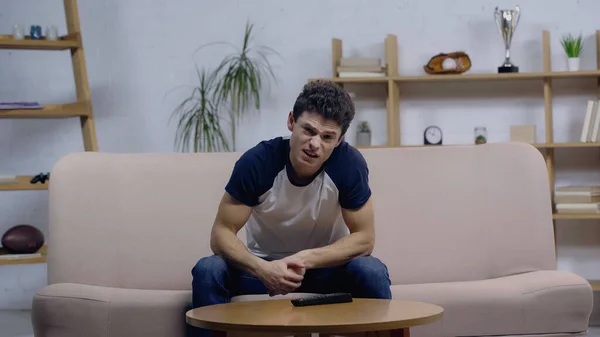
281,276
295,263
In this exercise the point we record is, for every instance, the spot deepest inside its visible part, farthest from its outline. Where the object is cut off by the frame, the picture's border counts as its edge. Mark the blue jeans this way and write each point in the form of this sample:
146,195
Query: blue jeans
216,281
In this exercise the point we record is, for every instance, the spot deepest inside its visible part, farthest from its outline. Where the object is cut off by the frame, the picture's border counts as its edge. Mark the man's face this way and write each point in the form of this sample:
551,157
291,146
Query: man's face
312,141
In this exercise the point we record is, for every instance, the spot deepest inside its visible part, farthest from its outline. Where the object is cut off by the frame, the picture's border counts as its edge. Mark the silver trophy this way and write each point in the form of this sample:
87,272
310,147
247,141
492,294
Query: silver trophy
507,21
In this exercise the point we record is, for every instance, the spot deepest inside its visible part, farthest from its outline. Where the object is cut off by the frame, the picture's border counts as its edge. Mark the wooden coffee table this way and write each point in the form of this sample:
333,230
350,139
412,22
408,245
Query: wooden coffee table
279,316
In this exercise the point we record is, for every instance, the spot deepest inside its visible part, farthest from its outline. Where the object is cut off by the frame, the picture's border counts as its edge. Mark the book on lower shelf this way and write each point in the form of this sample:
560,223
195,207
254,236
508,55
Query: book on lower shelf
360,67
7,179
577,199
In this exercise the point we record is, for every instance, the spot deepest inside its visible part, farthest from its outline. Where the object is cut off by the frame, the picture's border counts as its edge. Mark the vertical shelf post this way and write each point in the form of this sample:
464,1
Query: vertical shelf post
391,55
598,63
548,116
336,56
549,124
88,128
393,93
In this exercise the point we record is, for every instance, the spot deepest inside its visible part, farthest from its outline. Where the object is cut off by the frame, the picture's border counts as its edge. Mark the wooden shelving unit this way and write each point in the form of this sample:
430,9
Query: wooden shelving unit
81,109
393,80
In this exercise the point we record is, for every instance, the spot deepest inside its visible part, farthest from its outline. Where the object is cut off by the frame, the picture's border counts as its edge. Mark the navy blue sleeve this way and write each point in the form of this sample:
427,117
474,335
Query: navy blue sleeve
350,173
253,173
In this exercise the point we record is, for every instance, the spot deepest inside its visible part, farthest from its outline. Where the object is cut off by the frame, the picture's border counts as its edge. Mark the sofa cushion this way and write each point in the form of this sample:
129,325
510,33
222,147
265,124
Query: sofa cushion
75,310
450,213
541,302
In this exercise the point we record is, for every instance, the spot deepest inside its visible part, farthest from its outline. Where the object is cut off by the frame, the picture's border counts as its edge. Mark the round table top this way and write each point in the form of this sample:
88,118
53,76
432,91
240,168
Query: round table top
360,315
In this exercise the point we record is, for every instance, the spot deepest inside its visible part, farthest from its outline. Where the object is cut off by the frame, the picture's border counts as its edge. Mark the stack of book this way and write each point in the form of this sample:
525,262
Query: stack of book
577,199
590,132
361,67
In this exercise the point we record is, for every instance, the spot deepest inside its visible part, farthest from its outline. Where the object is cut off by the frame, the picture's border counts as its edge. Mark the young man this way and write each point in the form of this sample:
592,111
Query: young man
306,206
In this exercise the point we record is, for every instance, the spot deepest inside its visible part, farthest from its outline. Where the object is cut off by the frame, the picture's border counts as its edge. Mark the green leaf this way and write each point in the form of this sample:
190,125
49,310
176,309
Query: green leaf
572,45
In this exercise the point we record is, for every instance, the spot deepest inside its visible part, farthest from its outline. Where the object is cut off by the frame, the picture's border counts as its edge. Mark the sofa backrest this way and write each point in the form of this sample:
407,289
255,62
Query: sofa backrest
453,213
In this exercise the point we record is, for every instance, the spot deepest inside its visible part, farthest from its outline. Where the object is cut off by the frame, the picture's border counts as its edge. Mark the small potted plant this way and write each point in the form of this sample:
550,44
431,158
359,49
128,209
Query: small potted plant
480,135
573,47
363,136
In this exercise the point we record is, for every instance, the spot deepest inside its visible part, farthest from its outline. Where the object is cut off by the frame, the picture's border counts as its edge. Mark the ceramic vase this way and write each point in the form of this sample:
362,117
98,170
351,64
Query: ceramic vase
573,63
363,138
18,32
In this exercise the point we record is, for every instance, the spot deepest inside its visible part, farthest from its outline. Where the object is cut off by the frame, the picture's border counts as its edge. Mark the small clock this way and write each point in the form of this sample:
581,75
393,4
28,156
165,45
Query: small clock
432,136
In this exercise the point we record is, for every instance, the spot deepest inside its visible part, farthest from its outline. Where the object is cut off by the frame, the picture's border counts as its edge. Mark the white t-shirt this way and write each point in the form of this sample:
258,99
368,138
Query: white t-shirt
288,217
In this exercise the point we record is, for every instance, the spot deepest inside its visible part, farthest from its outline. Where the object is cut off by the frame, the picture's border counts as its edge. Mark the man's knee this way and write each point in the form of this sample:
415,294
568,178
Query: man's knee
367,266
370,276
208,268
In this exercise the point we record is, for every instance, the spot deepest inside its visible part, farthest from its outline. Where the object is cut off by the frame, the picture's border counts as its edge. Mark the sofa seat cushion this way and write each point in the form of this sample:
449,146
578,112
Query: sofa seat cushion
539,302
75,310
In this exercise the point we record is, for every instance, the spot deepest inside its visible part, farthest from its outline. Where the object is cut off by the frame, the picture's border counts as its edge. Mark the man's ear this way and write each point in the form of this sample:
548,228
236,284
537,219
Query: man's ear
290,122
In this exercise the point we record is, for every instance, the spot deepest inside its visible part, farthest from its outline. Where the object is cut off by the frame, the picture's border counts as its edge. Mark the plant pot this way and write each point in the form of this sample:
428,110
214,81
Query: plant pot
573,63
363,138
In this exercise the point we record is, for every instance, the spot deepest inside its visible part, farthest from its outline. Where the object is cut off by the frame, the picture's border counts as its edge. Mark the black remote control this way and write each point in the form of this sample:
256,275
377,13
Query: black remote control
322,299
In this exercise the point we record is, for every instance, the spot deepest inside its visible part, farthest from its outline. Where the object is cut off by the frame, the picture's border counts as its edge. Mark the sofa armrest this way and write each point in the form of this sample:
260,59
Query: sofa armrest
75,310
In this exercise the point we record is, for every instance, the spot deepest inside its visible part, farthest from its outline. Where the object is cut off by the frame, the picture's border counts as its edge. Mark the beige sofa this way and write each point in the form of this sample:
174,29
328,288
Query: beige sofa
466,227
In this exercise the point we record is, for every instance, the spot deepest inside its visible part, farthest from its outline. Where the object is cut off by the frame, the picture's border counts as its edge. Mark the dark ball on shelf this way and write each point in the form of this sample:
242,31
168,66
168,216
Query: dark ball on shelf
23,239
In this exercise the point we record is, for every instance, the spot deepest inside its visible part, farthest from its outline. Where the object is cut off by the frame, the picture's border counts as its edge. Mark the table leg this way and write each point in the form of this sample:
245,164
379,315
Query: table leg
384,333
400,332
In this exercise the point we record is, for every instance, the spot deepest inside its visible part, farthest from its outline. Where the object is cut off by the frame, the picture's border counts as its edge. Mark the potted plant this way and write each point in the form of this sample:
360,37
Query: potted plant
480,135
363,136
231,88
573,47
199,123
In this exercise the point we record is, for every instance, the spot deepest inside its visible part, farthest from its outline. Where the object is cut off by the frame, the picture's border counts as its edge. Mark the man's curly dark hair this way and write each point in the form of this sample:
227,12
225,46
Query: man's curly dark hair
329,100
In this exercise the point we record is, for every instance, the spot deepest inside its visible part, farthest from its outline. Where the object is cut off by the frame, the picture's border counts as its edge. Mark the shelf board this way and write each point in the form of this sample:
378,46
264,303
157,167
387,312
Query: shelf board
354,79
595,284
469,77
538,145
566,145
499,77
70,41
49,111
24,260
23,184
563,216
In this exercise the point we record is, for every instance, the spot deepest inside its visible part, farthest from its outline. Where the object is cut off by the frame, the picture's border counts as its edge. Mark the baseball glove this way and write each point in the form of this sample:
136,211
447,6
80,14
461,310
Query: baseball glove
451,63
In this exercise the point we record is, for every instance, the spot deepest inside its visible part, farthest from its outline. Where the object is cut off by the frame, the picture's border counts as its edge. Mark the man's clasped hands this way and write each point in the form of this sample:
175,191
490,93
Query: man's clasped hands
282,276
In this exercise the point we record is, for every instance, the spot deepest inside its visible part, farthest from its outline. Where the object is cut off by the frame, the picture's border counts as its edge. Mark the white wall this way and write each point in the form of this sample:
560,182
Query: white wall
137,51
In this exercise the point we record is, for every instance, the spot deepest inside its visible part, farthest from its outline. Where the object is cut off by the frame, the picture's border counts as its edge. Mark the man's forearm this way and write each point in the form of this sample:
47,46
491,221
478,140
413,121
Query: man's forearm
340,252
226,244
